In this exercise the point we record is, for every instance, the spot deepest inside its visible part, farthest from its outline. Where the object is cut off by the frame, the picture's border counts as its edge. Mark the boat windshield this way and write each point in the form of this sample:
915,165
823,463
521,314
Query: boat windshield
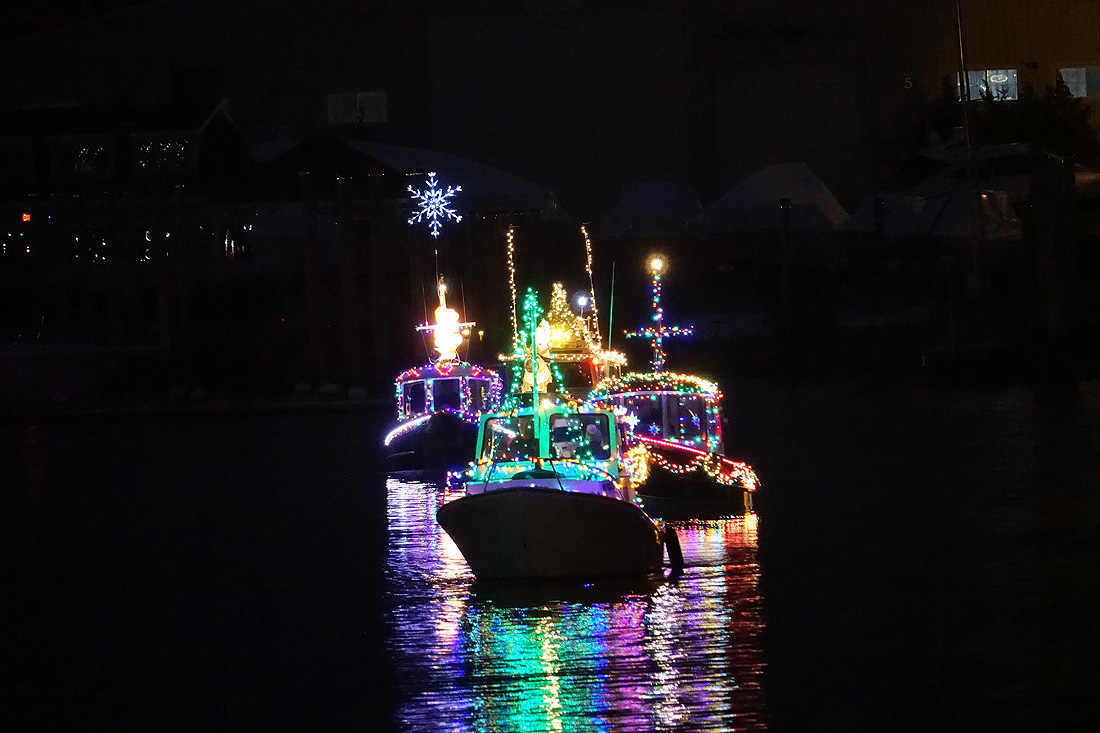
576,378
510,439
415,398
680,418
447,393
688,418
479,394
580,436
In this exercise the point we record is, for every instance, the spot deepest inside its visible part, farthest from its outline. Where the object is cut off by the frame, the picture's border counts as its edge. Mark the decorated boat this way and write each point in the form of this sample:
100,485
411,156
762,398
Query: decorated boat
675,433
570,359
551,492
440,403
675,438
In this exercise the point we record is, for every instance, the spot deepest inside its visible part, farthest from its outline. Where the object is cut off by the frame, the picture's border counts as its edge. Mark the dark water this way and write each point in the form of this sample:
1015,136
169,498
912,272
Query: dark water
656,654
922,560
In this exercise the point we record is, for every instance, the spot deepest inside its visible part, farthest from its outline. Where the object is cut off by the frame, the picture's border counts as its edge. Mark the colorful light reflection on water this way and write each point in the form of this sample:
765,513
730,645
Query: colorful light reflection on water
664,653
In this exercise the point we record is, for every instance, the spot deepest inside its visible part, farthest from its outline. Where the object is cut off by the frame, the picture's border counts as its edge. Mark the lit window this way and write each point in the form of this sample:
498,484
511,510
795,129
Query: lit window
81,156
1074,78
1083,81
996,84
89,158
162,154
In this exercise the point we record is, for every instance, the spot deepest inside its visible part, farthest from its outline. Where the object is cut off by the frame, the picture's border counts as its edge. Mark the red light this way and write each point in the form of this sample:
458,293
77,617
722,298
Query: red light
26,216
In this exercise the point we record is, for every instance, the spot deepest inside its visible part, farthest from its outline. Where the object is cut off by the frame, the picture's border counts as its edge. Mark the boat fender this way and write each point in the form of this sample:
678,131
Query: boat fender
672,547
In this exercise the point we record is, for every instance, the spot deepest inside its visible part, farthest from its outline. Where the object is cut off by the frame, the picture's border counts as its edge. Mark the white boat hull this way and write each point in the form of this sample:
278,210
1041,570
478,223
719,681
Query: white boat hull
534,532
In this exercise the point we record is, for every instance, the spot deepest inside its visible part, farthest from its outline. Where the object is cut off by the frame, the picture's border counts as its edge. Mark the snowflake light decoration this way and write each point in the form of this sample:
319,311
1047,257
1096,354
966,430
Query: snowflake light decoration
433,204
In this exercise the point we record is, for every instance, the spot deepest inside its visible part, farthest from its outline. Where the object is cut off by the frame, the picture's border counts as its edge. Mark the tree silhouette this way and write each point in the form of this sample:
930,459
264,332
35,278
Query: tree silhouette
1054,122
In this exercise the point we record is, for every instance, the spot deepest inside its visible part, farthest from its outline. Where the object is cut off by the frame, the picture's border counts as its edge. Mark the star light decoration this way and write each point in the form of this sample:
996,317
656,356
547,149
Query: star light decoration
433,204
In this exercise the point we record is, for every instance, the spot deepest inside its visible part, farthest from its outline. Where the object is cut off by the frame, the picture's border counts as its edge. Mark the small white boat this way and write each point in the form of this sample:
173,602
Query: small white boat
551,495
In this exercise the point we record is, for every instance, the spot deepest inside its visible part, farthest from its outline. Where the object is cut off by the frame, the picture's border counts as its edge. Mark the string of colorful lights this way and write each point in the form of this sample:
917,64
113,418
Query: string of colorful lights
512,284
688,460
591,284
658,332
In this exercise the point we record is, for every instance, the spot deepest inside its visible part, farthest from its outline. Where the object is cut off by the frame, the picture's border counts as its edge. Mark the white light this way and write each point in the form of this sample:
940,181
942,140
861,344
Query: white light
433,203
405,427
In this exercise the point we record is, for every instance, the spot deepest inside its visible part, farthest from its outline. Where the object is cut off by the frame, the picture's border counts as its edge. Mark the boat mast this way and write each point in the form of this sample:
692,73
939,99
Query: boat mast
512,282
531,313
658,332
592,285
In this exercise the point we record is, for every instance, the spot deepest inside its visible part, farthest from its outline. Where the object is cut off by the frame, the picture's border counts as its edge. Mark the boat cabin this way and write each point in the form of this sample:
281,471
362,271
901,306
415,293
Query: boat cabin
464,389
557,446
675,408
565,435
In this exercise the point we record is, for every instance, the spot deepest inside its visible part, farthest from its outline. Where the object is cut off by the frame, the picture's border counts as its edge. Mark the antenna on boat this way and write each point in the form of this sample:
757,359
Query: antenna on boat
424,303
611,306
462,293
531,313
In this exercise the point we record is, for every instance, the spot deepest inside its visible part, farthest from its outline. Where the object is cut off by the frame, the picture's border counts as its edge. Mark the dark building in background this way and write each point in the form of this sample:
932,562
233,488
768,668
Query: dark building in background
578,96
128,122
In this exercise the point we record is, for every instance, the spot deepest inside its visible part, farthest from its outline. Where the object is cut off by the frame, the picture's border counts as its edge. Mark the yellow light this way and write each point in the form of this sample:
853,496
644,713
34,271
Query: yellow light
592,286
558,336
656,264
512,282
448,336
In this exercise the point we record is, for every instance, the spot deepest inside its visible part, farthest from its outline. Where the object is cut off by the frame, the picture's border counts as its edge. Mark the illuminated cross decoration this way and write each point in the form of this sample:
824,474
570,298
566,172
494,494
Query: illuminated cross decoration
433,204
658,332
